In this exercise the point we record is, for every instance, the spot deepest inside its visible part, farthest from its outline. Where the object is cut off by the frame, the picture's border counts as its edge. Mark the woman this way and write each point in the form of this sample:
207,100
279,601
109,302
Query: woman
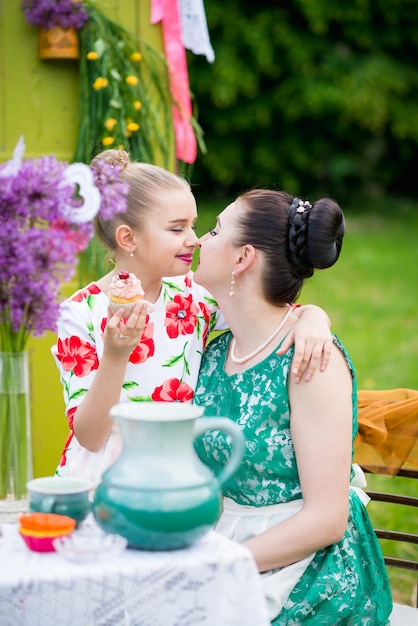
291,502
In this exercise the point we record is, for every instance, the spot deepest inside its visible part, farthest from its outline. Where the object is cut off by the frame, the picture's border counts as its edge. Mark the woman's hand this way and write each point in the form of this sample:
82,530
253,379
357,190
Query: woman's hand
313,342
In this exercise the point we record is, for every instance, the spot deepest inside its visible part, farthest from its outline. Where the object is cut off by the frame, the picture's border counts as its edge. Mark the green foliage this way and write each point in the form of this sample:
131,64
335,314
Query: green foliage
309,95
125,99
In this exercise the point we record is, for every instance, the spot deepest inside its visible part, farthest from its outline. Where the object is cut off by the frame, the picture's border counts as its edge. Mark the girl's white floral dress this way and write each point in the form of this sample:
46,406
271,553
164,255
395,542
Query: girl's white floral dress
164,366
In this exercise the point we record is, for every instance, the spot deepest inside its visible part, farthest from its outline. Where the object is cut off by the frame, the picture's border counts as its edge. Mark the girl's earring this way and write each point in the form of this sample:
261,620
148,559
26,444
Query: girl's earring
131,253
231,288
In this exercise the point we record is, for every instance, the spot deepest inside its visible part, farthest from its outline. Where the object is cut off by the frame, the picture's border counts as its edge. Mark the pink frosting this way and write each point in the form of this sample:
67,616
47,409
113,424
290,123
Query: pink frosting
126,287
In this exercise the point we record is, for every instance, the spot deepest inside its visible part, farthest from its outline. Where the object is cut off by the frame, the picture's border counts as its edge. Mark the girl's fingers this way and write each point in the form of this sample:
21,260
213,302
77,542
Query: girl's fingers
309,355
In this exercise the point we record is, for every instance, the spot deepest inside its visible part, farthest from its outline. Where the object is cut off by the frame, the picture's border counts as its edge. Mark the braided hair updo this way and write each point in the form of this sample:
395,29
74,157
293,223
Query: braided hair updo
295,237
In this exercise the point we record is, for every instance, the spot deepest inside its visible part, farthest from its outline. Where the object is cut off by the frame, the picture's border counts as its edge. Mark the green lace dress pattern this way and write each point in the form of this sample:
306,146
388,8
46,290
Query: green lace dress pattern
346,584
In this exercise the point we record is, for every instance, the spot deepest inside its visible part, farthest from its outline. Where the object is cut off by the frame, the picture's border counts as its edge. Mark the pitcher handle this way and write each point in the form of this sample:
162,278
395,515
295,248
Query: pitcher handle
202,425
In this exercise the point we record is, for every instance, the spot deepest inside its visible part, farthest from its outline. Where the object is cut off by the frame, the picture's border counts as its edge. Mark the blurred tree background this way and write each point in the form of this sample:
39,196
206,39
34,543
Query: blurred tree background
312,96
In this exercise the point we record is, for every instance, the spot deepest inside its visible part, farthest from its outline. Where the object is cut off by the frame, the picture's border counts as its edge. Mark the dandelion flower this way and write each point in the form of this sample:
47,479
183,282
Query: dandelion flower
137,105
100,83
131,80
92,56
132,127
110,124
107,141
136,56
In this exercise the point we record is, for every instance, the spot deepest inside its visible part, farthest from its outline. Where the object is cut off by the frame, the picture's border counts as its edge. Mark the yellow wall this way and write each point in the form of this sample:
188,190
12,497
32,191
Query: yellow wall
38,99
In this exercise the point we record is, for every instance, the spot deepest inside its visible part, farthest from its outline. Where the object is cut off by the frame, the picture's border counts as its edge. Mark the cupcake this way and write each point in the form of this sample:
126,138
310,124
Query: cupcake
125,291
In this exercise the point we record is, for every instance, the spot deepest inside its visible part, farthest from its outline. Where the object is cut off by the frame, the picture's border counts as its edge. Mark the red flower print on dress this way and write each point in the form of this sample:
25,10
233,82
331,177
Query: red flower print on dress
188,279
63,459
146,347
206,315
70,417
172,390
181,316
77,356
103,324
91,290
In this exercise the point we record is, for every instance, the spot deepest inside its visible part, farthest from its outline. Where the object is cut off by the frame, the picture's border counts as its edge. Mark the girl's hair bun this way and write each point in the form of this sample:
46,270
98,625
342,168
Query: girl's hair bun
112,157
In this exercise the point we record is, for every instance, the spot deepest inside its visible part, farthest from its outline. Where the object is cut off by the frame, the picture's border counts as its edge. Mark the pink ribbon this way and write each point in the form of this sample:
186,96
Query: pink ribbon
167,12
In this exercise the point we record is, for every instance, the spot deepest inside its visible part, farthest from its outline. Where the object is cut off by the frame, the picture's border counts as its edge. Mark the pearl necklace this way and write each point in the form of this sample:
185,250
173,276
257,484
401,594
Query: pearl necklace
263,345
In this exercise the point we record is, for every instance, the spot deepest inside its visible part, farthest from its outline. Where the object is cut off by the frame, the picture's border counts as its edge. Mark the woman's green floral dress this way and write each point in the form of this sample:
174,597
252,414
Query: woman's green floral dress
346,583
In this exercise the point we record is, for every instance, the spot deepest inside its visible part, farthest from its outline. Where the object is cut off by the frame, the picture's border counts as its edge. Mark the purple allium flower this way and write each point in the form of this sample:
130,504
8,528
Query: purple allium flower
39,243
113,191
49,13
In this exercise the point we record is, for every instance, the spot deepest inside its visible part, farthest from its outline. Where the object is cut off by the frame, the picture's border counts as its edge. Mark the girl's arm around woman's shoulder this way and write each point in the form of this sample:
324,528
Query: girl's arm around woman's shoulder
312,338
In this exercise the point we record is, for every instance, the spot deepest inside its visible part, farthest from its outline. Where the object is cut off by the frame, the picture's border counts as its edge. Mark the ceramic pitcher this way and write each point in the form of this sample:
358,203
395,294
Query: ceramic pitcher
158,494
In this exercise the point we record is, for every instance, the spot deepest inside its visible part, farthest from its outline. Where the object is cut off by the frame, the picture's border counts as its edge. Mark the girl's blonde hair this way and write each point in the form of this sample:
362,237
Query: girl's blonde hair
146,183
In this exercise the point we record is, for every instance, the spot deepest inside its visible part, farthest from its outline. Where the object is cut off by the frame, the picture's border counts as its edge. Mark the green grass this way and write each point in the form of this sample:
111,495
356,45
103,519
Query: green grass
371,296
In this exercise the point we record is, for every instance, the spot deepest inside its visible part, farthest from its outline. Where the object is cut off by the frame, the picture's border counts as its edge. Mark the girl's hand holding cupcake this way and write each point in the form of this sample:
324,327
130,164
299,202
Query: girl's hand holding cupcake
126,332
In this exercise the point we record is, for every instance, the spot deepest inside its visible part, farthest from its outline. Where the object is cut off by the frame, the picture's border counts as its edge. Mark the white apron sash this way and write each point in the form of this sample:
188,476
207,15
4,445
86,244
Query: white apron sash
240,522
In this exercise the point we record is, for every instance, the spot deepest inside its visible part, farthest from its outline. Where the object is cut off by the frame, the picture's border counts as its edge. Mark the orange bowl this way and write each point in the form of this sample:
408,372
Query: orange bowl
46,522
44,533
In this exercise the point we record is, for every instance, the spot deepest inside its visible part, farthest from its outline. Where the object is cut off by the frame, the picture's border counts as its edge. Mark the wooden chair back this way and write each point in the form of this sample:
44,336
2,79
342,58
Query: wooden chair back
393,534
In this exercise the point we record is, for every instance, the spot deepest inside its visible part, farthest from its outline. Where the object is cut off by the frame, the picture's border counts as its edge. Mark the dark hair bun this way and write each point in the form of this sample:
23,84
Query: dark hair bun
326,228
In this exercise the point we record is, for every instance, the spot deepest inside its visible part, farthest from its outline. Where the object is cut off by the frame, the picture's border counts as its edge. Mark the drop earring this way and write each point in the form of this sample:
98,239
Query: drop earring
231,288
131,253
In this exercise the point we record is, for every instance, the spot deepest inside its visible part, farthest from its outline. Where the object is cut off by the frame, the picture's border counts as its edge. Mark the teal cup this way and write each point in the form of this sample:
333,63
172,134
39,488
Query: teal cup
63,496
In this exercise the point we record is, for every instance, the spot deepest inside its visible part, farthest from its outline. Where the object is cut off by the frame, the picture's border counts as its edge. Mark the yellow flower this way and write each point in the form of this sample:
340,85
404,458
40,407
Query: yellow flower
131,80
132,127
120,147
137,105
100,83
107,141
92,56
110,124
136,56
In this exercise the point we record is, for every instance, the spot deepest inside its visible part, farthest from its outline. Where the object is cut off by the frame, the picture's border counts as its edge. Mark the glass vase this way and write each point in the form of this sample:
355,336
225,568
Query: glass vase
15,434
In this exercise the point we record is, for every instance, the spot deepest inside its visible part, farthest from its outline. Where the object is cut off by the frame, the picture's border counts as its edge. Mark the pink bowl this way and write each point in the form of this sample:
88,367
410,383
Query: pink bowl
41,543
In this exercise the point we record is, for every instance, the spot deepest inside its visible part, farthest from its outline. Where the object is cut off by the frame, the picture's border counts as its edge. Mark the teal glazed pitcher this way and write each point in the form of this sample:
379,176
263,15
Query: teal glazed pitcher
158,494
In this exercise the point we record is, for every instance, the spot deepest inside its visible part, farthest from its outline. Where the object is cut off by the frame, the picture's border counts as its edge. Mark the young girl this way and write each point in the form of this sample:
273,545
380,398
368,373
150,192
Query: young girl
155,354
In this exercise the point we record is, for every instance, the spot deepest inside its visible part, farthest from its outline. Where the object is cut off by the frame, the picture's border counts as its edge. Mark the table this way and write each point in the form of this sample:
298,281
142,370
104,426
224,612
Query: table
214,582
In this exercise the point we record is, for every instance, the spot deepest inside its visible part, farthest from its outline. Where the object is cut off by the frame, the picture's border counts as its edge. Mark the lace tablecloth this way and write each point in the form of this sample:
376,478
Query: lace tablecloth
213,582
